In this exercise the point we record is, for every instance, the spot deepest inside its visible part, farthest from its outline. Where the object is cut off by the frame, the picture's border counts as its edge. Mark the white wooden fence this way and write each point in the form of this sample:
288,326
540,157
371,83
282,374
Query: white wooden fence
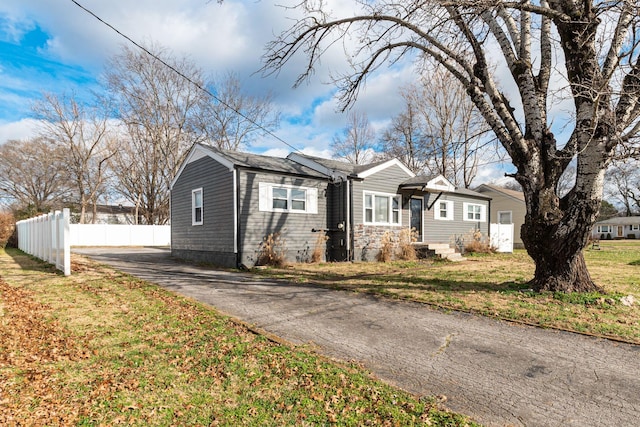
50,237
47,237
502,237
120,235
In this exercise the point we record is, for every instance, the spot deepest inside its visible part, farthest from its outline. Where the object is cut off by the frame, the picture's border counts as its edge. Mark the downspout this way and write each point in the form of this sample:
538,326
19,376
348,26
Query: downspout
236,218
489,219
349,221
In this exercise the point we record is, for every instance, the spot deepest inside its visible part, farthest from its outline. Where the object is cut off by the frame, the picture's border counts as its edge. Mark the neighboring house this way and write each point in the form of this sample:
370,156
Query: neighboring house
507,207
106,214
224,203
617,228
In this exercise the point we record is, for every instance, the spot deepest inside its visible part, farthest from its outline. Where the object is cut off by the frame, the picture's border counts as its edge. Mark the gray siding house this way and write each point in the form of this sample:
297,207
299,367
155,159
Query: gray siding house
224,203
619,227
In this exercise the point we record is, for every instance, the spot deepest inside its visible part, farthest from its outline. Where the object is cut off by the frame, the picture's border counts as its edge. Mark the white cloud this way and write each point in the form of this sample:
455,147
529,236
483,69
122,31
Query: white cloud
23,129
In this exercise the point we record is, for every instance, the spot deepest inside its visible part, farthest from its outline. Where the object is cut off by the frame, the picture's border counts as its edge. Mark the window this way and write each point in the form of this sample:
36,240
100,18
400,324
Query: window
635,227
280,198
505,217
443,210
298,199
381,208
473,212
196,207
287,198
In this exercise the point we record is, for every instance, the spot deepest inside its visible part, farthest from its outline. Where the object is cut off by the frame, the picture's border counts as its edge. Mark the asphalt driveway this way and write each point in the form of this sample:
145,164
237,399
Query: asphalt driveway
498,373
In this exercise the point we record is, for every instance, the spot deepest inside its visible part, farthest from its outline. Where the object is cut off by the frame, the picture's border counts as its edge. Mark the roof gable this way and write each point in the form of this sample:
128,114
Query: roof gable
378,167
513,194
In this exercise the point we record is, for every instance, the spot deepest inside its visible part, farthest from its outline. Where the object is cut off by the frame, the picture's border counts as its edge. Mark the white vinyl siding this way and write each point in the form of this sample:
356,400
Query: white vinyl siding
287,198
474,212
443,210
381,208
196,207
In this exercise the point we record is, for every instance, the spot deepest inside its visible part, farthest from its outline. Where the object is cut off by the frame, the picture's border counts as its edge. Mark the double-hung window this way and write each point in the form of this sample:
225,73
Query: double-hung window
604,229
196,207
474,212
380,208
443,210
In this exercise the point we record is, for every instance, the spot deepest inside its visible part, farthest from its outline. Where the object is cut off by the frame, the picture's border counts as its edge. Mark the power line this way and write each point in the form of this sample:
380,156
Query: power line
178,72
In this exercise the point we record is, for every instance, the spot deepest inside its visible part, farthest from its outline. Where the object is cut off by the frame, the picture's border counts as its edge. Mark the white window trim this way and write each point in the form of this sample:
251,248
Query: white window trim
510,217
635,227
483,212
193,206
391,197
436,210
265,203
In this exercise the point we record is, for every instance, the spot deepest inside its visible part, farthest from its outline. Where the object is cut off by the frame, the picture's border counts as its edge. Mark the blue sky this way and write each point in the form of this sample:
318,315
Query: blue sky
54,46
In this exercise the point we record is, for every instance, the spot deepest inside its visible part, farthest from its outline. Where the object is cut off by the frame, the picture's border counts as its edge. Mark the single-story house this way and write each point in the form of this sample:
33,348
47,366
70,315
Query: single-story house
106,214
224,204
507,207
619,227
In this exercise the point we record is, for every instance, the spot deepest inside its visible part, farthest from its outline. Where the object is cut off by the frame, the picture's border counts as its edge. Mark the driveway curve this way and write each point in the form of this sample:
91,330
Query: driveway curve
498,373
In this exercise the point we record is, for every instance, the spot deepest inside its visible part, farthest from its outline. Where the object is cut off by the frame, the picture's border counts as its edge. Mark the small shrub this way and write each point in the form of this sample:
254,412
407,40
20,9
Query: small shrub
608,236
631,236
272,251
386,247
476,242
406,249
7,225
319,250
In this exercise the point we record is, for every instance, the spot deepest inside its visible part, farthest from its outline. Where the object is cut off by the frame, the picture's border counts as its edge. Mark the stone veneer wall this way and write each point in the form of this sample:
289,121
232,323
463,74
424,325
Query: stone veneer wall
367,240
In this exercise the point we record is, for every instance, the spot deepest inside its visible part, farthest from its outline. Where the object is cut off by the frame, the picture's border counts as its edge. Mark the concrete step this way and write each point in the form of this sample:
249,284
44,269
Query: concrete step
440,250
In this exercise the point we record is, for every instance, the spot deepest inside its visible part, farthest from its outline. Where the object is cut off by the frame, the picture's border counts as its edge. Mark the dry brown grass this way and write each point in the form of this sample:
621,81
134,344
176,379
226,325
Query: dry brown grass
272,251
406,249
387,245
319,249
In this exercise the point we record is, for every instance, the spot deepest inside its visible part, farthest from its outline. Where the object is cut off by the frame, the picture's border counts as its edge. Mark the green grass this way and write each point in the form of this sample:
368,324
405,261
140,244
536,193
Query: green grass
496,285
103,348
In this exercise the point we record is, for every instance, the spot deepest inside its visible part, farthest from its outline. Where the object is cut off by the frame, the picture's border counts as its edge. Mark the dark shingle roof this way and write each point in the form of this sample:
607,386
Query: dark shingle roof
519,195
266,163
620,220
342,166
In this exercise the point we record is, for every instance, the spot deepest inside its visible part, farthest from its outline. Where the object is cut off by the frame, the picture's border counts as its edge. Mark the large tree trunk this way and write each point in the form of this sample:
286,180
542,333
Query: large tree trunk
555,237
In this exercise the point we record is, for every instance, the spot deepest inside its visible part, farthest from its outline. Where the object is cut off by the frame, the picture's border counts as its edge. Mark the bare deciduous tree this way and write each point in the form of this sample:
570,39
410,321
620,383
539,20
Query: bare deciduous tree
32,175
233,119
81,131
158,109
405,138
591,45
440,131
355,145
625,181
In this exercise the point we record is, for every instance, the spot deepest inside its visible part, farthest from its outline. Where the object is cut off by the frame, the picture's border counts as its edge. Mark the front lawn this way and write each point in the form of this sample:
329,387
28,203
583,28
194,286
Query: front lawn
103,348
496,285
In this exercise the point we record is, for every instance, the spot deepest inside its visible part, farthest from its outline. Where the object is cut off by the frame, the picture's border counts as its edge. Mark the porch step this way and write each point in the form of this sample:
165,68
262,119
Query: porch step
440,250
